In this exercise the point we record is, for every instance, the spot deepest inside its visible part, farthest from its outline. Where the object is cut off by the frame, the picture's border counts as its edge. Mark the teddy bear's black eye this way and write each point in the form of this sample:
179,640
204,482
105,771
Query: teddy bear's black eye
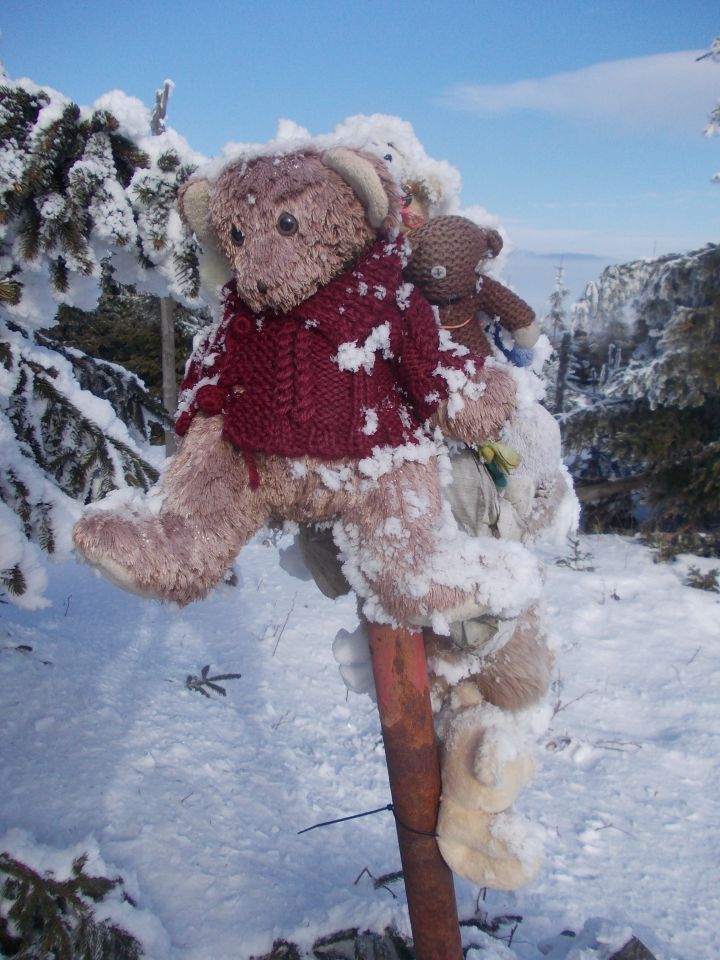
287,224
237,235
388,157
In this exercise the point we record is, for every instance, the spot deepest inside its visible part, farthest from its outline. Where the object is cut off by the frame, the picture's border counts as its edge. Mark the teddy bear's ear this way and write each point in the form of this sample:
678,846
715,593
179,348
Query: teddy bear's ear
193,205
494,241
363,173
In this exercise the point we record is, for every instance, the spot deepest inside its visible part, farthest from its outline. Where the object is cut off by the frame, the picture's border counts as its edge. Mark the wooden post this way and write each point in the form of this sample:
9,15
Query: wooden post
169,382
401,681
167,322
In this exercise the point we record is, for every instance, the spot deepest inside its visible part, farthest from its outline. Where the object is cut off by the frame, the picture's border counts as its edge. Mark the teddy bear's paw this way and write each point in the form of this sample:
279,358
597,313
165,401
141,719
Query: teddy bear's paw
119,576
102,539
497,403
150,556
482,417
455,611
502,851
481,770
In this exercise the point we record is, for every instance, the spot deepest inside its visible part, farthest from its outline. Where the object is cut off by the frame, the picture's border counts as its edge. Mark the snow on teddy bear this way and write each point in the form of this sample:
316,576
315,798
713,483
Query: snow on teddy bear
318,397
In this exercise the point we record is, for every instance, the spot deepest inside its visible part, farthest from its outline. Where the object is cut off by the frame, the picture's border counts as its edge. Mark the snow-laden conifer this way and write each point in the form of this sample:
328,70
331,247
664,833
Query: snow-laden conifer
86,194
647,412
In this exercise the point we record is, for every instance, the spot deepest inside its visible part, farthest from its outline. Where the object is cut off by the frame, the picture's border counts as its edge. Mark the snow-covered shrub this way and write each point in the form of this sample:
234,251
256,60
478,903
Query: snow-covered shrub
60,446
83,187
85,193
643,394
44,916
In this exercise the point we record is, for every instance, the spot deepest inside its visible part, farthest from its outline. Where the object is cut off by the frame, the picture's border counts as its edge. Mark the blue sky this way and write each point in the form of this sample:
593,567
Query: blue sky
580,124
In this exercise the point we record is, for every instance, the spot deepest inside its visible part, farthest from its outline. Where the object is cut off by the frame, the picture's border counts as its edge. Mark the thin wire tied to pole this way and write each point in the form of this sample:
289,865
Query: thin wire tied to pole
369,813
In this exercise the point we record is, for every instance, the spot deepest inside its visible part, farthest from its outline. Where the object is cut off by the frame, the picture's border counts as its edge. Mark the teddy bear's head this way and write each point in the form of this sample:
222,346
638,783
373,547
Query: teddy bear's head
287,225
448,255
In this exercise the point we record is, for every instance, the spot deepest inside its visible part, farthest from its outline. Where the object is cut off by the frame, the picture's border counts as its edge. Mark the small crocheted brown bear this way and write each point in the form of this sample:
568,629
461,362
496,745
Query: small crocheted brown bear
449,255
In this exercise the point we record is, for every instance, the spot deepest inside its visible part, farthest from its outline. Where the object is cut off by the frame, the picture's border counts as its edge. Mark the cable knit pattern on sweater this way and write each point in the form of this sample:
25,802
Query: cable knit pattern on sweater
354,367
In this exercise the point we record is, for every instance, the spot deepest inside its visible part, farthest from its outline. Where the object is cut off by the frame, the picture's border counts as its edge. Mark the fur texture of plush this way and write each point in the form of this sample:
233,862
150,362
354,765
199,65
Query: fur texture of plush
484,847
279,271
289,226
513,675
211,511
304,381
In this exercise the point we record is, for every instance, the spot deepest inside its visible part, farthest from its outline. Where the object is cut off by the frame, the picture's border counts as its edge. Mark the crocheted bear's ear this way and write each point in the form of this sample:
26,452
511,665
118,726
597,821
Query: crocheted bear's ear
370,181
193,205
493,240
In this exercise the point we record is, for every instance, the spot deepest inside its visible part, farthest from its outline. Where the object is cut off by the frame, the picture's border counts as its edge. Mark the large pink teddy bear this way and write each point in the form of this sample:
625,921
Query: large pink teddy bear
320,395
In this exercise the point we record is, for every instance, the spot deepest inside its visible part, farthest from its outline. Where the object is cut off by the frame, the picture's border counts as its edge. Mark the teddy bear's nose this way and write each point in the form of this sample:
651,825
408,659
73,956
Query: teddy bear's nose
262,287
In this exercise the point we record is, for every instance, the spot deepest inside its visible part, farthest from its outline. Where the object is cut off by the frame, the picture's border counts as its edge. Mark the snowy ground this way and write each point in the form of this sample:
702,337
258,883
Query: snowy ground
197,802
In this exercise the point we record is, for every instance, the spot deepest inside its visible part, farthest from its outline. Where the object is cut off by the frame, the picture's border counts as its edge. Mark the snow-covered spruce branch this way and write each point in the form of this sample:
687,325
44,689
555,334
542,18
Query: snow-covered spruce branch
84,186
60,446
85,193
42,915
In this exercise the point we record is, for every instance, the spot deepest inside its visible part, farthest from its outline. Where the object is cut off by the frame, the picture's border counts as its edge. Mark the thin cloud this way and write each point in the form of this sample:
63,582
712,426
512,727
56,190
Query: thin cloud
623,202
667,91
613,245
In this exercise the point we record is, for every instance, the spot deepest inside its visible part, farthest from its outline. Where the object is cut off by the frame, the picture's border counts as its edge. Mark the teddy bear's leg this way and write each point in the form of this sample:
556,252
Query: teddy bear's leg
487,732
482,767
518,674
386,536
486,760
502,851
208,512
485,765
513,674
403,551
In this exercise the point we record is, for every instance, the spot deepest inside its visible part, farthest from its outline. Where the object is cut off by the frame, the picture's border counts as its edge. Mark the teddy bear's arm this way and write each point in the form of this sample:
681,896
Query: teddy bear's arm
446,385
419,359
497,300
202,369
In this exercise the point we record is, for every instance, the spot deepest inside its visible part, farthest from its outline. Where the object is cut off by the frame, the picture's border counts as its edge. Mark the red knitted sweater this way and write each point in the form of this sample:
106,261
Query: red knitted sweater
356,366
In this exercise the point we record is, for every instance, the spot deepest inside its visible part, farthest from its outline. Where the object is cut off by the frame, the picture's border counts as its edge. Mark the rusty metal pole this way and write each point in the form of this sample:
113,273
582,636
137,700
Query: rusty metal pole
401,681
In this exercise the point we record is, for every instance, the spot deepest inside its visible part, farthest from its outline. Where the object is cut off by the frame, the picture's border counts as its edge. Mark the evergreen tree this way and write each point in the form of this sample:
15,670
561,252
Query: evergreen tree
43,917
555,325
77,192
86,208
713,125
651,350
61,446
124,328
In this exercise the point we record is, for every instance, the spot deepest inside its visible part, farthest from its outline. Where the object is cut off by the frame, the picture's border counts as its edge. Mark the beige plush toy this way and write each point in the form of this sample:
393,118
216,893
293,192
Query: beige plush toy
490,676
317,397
